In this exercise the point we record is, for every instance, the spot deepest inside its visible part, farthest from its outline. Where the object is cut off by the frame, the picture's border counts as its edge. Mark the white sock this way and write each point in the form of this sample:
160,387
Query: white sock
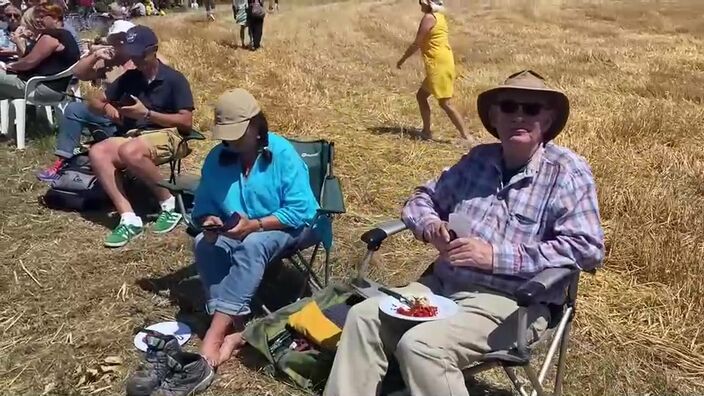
132,219
169,204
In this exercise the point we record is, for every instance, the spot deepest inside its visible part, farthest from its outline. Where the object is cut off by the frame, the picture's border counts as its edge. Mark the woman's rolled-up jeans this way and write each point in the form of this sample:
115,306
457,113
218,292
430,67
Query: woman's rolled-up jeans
231,270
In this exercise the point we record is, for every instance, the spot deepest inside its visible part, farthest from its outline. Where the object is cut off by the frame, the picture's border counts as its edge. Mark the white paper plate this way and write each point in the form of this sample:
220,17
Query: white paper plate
177,329
446,307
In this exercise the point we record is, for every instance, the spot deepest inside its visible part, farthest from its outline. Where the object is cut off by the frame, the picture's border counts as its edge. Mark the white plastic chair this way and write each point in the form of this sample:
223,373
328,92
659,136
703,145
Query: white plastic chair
20,105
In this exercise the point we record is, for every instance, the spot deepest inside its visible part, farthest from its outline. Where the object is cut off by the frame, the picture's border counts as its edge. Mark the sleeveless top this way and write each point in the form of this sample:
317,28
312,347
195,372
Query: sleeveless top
436,49
57,61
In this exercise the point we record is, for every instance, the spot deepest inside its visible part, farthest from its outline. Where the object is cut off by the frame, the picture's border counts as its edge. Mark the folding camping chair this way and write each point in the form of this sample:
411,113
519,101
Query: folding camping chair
531,292
318,156
175,162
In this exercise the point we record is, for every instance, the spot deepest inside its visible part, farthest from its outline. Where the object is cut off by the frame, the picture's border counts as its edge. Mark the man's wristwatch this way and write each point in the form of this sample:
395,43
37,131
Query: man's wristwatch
148,115
261,225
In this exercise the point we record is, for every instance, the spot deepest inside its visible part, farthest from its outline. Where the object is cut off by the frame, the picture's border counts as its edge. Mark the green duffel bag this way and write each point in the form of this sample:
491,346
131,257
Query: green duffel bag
270,336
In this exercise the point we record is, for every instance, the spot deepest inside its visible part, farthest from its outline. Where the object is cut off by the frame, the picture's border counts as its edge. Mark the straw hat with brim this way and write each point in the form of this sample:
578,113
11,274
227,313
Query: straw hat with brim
527,81
233,111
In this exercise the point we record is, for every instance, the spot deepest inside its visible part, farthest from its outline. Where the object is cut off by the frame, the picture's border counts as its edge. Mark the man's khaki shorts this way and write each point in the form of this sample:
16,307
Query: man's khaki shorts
162,143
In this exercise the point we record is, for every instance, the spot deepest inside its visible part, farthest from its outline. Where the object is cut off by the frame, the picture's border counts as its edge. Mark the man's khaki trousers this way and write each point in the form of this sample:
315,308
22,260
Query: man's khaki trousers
431,355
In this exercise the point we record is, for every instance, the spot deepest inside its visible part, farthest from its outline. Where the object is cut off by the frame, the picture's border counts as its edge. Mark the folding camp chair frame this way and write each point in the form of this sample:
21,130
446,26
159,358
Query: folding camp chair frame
175,162
329,198
530,293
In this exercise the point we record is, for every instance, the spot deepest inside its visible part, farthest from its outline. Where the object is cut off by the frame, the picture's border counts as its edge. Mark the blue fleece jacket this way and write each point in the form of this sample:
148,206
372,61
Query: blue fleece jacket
280,188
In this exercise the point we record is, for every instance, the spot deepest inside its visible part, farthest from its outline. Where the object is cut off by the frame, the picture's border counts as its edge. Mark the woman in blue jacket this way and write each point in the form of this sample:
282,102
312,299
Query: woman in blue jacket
259,178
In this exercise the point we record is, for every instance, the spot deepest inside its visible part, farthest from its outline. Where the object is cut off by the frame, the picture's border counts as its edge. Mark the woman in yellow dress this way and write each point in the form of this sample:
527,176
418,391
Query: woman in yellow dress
432,39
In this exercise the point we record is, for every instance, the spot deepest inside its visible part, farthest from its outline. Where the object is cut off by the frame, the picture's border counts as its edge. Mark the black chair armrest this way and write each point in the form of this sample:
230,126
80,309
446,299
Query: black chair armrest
536,288
376,236
181,184
193,135
327,212
172,187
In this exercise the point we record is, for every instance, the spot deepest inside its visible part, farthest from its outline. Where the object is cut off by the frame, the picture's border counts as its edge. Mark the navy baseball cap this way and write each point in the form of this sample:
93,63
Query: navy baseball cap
139,40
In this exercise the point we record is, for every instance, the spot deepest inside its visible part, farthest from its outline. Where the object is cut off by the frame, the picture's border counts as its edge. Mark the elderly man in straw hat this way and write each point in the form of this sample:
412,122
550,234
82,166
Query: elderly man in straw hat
525,204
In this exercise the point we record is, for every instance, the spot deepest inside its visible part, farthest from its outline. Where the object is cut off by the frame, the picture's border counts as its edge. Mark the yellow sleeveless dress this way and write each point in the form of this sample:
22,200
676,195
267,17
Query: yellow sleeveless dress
439,61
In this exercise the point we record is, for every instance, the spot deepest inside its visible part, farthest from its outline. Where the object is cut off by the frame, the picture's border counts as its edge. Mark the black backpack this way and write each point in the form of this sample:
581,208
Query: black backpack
76,187
258,10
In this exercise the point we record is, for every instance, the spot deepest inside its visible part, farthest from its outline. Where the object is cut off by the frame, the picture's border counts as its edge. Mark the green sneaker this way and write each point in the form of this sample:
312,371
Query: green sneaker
167,221
122,234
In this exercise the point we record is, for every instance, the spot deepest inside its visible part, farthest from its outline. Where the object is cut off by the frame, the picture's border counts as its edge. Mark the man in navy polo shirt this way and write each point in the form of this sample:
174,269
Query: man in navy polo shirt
150,108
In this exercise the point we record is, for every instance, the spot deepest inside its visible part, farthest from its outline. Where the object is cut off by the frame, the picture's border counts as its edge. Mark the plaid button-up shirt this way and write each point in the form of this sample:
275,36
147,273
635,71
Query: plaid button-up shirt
546,216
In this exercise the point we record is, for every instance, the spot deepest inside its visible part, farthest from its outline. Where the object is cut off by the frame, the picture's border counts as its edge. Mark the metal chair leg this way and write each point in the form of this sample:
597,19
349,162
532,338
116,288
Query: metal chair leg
306,268
518,384
534,381
558,337
559,376
326,270
182,208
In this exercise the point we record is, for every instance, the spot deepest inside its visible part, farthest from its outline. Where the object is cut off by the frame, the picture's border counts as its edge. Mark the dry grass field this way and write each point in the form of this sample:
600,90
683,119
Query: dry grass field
634,71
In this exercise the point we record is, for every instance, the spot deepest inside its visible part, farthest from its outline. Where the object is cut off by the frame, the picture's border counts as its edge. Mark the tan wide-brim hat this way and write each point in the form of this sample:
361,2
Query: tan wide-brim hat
233,111
526,80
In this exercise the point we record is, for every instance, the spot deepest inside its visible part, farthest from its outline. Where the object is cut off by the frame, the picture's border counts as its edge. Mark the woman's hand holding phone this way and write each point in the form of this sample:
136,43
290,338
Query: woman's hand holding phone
212,226
232,227
242,228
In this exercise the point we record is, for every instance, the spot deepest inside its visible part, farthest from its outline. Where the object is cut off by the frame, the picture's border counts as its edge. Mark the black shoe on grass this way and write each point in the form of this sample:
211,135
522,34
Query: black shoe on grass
155,367
190,374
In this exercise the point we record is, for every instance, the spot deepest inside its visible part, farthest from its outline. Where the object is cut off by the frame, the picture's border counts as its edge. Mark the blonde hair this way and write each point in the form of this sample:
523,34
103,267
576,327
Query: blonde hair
30,21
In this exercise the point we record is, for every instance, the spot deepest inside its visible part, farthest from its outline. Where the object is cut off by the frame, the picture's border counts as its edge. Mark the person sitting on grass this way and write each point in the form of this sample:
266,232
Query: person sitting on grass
148,110
260,177
528,204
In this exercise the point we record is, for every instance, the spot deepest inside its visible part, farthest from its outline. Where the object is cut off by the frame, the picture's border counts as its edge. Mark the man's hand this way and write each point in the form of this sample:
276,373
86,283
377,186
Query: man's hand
113,114
137,111
243,228
211,236
470,252
105,53
437,235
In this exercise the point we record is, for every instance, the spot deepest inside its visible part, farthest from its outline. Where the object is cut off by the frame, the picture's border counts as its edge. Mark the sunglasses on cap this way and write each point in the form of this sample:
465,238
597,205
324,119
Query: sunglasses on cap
511,106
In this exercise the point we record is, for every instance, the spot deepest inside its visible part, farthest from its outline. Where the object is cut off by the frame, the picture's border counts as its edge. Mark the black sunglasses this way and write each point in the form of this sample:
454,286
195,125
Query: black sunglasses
13,16
530,109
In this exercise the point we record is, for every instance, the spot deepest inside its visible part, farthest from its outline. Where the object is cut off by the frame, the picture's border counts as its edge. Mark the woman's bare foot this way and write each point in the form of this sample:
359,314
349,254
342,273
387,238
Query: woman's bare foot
220,326
231,346
210,348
